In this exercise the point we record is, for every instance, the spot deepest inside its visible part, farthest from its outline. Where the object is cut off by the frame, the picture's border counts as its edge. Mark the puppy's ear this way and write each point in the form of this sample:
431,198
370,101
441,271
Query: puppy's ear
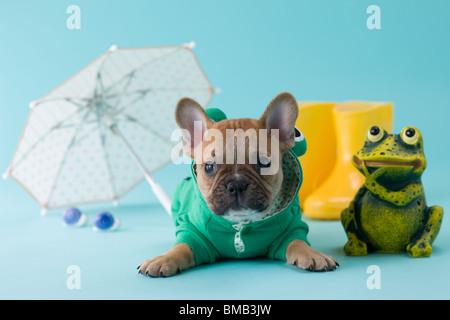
281,114
193,121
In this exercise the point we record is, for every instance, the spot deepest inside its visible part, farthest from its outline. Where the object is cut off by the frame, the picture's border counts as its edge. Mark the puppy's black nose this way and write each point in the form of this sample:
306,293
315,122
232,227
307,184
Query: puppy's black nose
237,187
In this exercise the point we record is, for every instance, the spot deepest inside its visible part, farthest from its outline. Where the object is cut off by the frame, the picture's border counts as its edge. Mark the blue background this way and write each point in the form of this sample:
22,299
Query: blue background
252,50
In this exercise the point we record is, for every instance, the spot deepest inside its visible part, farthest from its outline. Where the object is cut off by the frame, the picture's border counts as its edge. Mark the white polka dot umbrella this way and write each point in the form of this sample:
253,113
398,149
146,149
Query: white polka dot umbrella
108,127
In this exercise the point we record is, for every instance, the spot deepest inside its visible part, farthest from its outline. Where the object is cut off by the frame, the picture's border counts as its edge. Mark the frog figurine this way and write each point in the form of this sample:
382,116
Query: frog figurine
388,213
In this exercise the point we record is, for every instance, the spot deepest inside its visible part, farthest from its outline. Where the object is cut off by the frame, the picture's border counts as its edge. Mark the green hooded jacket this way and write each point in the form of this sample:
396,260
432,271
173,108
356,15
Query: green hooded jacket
213,237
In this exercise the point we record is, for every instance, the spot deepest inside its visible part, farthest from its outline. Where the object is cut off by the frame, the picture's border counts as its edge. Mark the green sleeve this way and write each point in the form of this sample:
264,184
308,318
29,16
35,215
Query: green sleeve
186,232
296,230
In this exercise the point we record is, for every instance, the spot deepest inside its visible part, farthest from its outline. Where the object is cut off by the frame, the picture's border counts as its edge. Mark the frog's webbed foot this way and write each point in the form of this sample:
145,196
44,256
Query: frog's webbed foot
354,246
421,246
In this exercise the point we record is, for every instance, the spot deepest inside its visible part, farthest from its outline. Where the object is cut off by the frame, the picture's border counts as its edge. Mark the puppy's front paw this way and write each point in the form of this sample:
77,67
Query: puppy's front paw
301,255
162,266
180,257
315,261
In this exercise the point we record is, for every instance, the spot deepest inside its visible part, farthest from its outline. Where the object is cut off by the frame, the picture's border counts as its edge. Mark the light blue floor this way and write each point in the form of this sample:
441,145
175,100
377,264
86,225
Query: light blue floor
36,251
252,50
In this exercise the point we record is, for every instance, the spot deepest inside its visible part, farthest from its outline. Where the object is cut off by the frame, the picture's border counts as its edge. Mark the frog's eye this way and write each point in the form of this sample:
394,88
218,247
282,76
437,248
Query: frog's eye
410,136
298,135
375,134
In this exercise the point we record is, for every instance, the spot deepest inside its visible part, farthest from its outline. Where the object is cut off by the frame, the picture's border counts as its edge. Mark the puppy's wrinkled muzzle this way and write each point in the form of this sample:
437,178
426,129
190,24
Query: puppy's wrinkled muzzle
236,192
236,188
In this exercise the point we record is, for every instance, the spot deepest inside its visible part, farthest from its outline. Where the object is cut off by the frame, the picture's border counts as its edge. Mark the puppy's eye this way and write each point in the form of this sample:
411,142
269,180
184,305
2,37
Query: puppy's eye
209,167
375,134
262,165
264,162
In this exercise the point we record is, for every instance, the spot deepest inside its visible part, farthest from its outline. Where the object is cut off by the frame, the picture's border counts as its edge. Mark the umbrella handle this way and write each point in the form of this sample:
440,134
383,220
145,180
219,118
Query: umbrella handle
156,188
162,197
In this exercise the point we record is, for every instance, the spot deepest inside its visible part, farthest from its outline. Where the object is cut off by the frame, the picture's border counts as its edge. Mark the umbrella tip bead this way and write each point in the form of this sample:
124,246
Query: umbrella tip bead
43,212
32,104
113,48
5,175
217,90
190,45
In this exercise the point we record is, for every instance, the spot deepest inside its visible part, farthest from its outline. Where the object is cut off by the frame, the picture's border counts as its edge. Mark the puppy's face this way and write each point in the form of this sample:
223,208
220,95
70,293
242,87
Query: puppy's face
237,161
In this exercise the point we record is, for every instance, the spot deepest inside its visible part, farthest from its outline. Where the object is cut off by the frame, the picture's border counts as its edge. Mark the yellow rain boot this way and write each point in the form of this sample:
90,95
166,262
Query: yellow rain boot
352,119
315,120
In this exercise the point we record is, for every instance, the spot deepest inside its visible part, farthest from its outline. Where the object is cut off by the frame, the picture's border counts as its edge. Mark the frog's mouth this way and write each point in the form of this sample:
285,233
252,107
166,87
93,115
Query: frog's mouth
417,163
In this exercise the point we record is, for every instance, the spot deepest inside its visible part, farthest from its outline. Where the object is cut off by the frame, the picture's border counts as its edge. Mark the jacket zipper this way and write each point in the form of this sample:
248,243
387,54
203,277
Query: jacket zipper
238,243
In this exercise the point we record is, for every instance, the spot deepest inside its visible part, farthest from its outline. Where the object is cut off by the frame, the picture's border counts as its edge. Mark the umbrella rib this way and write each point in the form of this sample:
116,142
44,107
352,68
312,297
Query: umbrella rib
120,95
132,103
71,100
69,146
99,83
130,74
87,134
175,49
130,77
182,88
108,164
25,154
144,126
68,99
155,90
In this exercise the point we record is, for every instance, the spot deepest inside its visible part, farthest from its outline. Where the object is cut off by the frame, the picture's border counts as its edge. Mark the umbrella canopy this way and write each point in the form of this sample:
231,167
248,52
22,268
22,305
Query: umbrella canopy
99,133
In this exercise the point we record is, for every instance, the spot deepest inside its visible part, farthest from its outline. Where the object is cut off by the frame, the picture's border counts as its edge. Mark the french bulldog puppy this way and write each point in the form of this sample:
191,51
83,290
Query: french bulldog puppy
239,202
